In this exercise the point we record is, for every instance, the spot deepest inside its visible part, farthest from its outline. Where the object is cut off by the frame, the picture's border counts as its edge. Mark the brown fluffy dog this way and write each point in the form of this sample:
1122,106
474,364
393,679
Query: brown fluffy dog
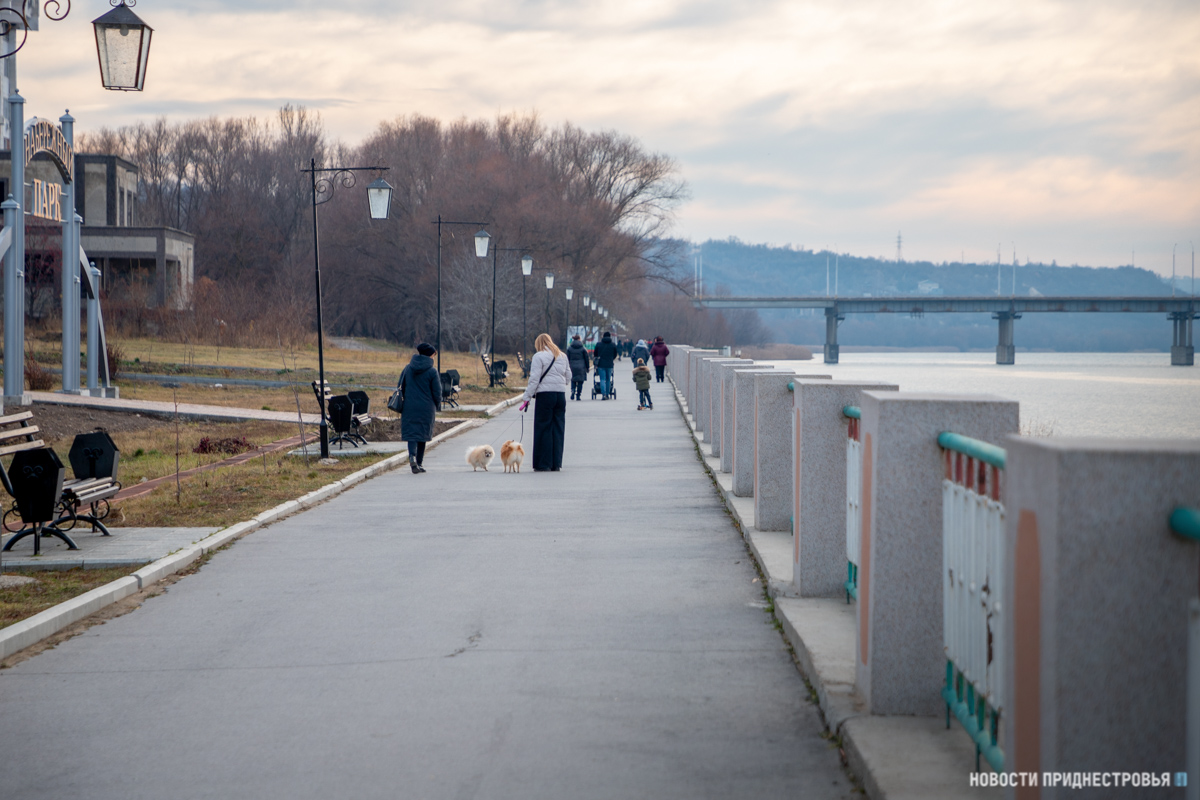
480,456
512,454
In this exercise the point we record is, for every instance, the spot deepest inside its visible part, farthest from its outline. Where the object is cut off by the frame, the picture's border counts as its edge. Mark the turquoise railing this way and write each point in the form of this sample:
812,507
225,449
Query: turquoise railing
1186,522
981,721
987,453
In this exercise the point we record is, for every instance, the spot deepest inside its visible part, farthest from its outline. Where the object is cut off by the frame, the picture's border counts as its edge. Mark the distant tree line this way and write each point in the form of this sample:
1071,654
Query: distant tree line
593,208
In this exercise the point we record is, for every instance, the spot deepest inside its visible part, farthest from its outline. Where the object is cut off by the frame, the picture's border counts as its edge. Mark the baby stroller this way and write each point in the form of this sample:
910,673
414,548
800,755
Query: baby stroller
597,391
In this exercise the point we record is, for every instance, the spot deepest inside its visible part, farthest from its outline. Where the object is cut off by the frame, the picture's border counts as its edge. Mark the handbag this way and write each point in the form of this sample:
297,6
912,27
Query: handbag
396,401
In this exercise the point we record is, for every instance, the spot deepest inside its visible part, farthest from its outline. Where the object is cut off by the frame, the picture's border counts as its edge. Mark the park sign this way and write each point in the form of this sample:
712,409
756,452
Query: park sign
43,136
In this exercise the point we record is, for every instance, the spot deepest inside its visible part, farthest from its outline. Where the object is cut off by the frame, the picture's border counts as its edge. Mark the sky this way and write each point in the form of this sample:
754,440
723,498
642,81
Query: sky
1065,131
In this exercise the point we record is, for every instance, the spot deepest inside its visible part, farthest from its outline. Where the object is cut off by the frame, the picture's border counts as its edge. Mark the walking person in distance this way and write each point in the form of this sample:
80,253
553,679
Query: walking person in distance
422,391
659,353
577,357
549,376
605,355
639,351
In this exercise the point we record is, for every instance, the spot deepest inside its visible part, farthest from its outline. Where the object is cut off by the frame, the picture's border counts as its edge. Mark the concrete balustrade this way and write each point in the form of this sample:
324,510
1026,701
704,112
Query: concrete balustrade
900,664
729,408
819,490
676,356
716,400
773,450
704,395
693,380
742,462
1100,592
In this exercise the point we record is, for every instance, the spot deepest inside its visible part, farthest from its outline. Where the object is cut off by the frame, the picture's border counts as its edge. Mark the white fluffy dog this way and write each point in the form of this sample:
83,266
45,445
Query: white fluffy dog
480,456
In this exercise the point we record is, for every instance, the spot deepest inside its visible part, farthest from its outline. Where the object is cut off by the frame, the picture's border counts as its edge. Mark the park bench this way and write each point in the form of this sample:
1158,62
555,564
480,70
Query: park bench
43,502
497,371
360,403
524,365
450,388
94,459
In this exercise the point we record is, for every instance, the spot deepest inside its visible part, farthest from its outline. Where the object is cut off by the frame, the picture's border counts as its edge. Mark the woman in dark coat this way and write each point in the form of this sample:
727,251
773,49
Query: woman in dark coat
422,400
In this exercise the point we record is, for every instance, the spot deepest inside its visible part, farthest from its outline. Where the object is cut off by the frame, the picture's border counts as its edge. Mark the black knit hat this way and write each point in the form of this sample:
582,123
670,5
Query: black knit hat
425,349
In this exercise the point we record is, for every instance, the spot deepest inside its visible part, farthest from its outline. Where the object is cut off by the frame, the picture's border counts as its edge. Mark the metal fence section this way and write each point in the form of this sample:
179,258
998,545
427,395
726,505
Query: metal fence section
854,465
973,604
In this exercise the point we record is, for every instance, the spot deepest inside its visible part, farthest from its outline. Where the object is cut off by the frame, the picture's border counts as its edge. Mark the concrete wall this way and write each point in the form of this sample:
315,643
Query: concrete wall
1100,590
693,377
819,490
703,412
743,442
900,662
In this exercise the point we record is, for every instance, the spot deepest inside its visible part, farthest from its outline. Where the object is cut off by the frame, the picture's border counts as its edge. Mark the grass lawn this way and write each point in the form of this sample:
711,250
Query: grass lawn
51,588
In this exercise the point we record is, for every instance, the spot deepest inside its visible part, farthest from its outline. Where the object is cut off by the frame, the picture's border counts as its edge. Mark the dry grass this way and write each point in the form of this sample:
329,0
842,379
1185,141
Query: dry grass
51,588
282,399
228,495
151,453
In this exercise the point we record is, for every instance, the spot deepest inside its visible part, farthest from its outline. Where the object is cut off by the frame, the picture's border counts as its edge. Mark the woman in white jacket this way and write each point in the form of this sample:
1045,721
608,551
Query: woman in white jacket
549,379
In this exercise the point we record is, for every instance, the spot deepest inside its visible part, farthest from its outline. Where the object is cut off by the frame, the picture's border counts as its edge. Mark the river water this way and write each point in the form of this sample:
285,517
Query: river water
1125,395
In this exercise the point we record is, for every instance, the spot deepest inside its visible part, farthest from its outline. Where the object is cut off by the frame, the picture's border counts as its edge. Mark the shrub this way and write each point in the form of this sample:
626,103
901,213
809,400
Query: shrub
37,377
231,446
116,355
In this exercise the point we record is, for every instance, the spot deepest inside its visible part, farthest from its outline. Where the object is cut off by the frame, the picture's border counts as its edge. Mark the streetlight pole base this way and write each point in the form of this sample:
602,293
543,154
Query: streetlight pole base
324,440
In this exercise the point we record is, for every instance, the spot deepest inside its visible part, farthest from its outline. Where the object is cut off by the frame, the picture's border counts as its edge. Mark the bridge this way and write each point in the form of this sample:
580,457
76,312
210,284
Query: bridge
1180,310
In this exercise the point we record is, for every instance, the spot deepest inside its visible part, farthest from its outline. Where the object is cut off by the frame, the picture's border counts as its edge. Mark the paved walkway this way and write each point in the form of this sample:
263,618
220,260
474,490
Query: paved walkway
593,633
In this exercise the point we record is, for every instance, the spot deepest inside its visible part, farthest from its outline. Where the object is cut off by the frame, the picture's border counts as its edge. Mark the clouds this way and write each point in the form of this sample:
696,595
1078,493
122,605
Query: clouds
1058,123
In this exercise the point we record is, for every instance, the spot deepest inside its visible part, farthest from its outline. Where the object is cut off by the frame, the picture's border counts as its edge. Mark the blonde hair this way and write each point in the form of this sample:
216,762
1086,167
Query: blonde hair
544,342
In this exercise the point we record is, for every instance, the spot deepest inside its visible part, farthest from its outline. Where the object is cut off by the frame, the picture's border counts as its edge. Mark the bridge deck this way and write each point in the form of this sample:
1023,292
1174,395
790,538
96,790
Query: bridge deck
592,633
936,304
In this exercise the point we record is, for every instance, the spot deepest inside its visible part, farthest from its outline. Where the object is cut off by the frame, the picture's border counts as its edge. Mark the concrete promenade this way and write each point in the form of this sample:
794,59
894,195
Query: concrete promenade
595,633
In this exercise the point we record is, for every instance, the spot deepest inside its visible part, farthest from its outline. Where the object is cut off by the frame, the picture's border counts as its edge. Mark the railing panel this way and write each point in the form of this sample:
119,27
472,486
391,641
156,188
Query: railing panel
854,462
972,606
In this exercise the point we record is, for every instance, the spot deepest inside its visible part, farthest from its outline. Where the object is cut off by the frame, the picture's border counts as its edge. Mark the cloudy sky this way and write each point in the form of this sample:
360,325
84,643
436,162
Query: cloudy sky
1066,130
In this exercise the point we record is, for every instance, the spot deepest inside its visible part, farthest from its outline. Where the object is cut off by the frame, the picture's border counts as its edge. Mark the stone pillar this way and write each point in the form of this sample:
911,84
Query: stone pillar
716,400
729,408
1005,350
703,412
819,492
742,443
773,451
1099,588
900,658
693,378
677,356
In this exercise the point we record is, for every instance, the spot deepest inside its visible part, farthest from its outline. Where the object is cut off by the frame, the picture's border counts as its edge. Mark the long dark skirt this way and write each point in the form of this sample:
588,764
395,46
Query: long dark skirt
549,427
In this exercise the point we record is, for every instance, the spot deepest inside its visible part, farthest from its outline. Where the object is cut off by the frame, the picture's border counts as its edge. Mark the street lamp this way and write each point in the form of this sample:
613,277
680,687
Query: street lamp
567,317
526,271
379,202
495,251
123,46
481,248
549,286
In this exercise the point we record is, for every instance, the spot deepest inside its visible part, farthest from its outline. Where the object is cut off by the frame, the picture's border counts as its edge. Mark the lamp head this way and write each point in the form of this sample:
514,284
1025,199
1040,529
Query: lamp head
481,243
526,265
379,197
549,280
123,46
570,292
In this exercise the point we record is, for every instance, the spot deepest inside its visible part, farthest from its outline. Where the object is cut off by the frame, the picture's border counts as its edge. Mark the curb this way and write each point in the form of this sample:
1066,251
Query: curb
18,636
492,411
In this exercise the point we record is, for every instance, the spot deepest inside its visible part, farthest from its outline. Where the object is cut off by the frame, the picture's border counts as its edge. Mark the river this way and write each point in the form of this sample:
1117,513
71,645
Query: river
1125,395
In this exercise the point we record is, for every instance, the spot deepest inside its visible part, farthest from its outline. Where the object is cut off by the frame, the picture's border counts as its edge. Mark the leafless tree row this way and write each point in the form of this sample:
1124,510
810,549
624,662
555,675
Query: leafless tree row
594,208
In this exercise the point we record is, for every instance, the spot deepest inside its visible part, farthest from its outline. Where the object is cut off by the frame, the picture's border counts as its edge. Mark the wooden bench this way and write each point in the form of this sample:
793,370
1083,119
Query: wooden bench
349,429
450,388
497,371
360,400
524,365
95,460
17,434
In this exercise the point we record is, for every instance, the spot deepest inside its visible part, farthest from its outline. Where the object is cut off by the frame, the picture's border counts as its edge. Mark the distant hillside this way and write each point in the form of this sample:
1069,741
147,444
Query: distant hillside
734,267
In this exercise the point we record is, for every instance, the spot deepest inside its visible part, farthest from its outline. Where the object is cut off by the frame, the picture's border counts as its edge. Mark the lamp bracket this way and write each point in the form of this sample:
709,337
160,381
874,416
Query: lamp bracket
332,177
15,14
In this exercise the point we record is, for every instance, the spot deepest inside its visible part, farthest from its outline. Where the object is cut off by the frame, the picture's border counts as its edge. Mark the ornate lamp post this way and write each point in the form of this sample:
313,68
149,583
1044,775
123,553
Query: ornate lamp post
481,250
495,251
526,271
379,201
549,286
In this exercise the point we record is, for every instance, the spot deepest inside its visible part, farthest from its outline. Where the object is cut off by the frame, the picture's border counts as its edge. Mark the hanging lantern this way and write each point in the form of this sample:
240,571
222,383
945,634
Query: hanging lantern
123,46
